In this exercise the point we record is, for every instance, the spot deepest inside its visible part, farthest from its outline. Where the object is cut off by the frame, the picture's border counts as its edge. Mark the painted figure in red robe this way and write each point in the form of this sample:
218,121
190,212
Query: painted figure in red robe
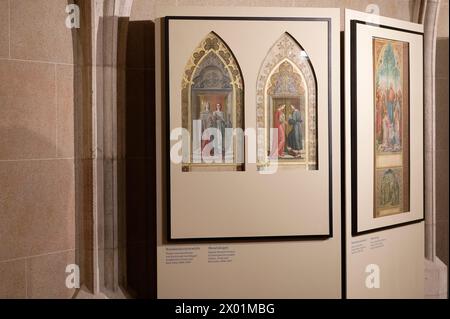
279,123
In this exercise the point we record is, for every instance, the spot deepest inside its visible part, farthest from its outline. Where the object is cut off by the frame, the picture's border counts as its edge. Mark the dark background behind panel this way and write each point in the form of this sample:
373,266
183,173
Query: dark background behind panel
140,160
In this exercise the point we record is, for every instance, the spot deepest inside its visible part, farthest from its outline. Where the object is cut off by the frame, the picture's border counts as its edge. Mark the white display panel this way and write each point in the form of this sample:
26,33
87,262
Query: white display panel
384,255
302,268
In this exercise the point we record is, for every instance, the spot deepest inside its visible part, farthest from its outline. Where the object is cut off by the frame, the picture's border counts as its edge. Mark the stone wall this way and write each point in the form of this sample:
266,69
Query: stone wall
37,198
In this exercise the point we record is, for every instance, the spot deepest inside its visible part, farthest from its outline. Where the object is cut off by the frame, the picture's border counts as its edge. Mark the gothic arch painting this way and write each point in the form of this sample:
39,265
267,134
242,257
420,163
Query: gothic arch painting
212,102
286,103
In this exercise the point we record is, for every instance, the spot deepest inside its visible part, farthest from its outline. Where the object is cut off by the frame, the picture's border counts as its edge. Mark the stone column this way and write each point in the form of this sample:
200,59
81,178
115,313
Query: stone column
105,256
435,269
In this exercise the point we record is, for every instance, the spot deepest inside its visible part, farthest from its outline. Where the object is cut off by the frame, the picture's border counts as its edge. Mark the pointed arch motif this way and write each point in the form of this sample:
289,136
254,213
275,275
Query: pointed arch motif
287,78
213,95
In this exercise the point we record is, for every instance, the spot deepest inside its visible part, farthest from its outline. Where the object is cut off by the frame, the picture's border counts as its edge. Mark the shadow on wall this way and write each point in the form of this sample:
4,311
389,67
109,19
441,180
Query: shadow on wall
140,160
82,142
442,186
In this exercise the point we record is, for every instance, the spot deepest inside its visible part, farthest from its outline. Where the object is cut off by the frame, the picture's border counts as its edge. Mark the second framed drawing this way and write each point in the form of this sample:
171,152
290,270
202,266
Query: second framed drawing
252,126
386,126
391,127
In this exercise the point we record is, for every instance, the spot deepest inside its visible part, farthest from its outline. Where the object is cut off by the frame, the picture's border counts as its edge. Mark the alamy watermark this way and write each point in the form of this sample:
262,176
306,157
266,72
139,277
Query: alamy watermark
73,18
73,277
373,279
222,146
374,10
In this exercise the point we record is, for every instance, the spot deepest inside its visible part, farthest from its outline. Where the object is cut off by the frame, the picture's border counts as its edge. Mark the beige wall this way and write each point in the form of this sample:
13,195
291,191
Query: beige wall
37,208
400,9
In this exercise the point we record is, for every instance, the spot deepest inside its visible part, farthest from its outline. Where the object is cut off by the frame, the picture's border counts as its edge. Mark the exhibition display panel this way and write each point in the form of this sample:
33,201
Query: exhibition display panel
263,209
384,175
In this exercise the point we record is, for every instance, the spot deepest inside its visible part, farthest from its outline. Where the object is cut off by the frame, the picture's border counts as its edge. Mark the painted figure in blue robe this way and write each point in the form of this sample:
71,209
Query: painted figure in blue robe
295,137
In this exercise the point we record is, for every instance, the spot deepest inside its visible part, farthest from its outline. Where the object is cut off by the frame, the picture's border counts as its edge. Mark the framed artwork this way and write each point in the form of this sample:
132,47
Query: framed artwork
391,105
213,97
248,121
386,127
287,102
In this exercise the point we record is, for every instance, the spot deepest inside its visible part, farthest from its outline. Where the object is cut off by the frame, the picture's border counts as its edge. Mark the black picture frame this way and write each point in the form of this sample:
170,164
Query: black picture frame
166,115
353,130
